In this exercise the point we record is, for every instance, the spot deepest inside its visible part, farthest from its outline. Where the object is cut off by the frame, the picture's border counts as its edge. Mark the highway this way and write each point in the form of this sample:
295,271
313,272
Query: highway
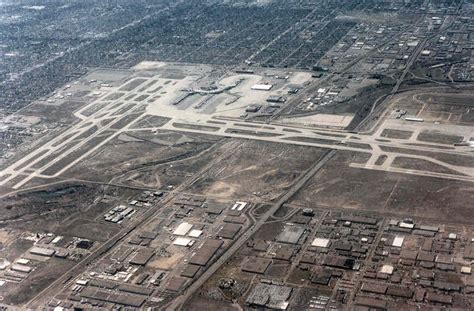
377,108
177,303
113,117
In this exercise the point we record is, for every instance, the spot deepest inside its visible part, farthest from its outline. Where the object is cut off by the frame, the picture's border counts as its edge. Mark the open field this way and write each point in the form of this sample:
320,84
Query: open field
388,192
236,155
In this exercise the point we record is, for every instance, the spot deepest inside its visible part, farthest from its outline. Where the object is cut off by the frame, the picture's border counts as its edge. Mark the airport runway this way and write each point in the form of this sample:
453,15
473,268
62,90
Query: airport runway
115,112
92,130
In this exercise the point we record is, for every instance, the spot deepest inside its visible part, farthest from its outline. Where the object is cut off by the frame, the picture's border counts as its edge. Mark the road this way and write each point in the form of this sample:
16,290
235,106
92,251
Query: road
106,122
68,278
413,57
373,144
66,143
359,278
90,127
177,303
311,90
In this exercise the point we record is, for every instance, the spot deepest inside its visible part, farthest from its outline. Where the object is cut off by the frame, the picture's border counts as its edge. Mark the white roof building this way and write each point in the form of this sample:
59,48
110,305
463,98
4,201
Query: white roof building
21,268
466,270
82,282
398,241
195,233
22,261
320,242
262,87
387,269
182,229
406,225
42,251
57,239
183,242
238,206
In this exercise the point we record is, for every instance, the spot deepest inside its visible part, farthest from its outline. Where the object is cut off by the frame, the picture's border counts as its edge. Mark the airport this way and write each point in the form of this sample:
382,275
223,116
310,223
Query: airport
257,155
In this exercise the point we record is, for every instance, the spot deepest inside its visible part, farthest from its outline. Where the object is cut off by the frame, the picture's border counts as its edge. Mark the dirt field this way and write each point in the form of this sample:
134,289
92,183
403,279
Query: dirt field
146,159
447,108
257,171
38,280
459,160
438,137
421,165
392,133
339,186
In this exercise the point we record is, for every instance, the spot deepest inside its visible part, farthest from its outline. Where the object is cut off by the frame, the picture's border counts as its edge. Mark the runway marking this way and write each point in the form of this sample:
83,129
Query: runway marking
115,116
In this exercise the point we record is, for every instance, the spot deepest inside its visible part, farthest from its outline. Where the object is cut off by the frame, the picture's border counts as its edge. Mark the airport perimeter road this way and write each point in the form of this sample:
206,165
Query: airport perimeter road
179,301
